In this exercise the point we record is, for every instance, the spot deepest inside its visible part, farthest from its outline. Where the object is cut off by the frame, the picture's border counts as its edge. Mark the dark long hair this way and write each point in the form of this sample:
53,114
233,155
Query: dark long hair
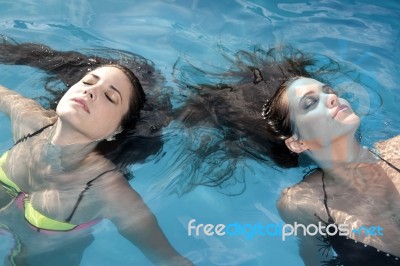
234,101
151,111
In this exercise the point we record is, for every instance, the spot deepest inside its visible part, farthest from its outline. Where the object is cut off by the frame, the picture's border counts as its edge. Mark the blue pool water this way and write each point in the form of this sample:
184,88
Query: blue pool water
362,33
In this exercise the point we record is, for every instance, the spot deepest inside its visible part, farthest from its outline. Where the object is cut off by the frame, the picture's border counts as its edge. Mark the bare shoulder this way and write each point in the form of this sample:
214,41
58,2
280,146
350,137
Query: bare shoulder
118,197
27,122
26,114
298,202
395,141
116,188
390,150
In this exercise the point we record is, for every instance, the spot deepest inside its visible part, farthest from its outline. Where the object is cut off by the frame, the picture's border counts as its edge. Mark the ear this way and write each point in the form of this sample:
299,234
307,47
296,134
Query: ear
119,130
295,145
112,136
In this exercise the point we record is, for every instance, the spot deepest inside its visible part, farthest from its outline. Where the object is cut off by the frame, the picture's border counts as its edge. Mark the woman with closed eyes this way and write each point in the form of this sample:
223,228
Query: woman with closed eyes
278,106
65,171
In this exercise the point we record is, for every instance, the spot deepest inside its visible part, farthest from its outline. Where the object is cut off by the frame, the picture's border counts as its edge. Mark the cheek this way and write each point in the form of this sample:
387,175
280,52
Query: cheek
305,121
66,97
311,126
62,105
109,116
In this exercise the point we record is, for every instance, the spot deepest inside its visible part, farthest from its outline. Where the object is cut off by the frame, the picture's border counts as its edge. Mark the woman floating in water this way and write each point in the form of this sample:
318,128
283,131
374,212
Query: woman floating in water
304,120
67,168
354,187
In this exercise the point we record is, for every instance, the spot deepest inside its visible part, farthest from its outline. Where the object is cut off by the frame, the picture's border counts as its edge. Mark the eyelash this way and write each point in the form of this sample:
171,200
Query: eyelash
329,90
108,97
307,105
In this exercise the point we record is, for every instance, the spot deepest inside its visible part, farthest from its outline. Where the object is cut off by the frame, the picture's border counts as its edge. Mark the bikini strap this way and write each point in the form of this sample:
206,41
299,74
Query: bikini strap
82,194
330,219
88,184
384,160
32,134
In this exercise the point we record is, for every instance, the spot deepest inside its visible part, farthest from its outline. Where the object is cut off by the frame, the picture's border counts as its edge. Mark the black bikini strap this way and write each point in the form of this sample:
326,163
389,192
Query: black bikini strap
32,134
387,162
88,185
330,219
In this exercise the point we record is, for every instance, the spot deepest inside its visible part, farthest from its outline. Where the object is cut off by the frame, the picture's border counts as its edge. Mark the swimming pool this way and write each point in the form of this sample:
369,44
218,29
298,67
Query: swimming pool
362,33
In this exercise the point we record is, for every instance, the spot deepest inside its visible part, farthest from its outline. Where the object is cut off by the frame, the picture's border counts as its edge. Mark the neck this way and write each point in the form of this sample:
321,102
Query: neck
67,148
343,151
64,135
69,140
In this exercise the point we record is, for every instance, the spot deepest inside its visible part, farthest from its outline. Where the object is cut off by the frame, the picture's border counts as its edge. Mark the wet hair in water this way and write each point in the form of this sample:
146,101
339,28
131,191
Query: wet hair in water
239,106
150,112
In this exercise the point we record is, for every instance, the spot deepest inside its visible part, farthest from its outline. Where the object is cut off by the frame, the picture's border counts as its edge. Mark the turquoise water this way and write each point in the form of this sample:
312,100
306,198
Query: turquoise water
362,33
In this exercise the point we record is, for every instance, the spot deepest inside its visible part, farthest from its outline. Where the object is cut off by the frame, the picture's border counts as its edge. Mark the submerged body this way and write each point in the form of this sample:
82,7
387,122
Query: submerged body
354,186
64,183
361,194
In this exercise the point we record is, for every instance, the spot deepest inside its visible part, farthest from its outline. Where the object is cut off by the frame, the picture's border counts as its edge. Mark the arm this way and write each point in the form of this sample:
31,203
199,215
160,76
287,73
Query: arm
26,115
294,207
137,224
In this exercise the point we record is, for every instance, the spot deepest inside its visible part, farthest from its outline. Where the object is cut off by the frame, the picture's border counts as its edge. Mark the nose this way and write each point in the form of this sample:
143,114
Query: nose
90,93
332,100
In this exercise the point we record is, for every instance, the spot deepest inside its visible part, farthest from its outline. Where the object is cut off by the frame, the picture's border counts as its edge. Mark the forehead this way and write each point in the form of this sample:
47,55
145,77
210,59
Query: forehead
110,72
301,86
115,77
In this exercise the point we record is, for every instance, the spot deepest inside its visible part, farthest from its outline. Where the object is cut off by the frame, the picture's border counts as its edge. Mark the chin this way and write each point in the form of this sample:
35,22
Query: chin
352,120
351,128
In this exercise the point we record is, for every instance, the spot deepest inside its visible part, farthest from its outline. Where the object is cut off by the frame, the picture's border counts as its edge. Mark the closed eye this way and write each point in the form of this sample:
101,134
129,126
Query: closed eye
89,79
108,97
328,90
309,102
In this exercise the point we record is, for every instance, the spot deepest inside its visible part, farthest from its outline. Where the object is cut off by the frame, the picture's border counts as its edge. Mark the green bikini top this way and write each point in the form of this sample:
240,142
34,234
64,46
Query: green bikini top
34,217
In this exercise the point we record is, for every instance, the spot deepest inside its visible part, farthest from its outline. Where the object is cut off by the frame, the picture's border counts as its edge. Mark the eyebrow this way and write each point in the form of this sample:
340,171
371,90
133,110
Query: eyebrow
324,86
305,95
112,87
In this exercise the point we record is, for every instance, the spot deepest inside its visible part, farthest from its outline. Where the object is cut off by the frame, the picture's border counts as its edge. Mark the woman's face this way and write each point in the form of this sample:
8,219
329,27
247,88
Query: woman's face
317,114
96,104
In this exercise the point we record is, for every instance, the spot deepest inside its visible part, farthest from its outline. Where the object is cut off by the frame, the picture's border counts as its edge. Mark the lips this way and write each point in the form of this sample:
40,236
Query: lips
82,102
340,108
